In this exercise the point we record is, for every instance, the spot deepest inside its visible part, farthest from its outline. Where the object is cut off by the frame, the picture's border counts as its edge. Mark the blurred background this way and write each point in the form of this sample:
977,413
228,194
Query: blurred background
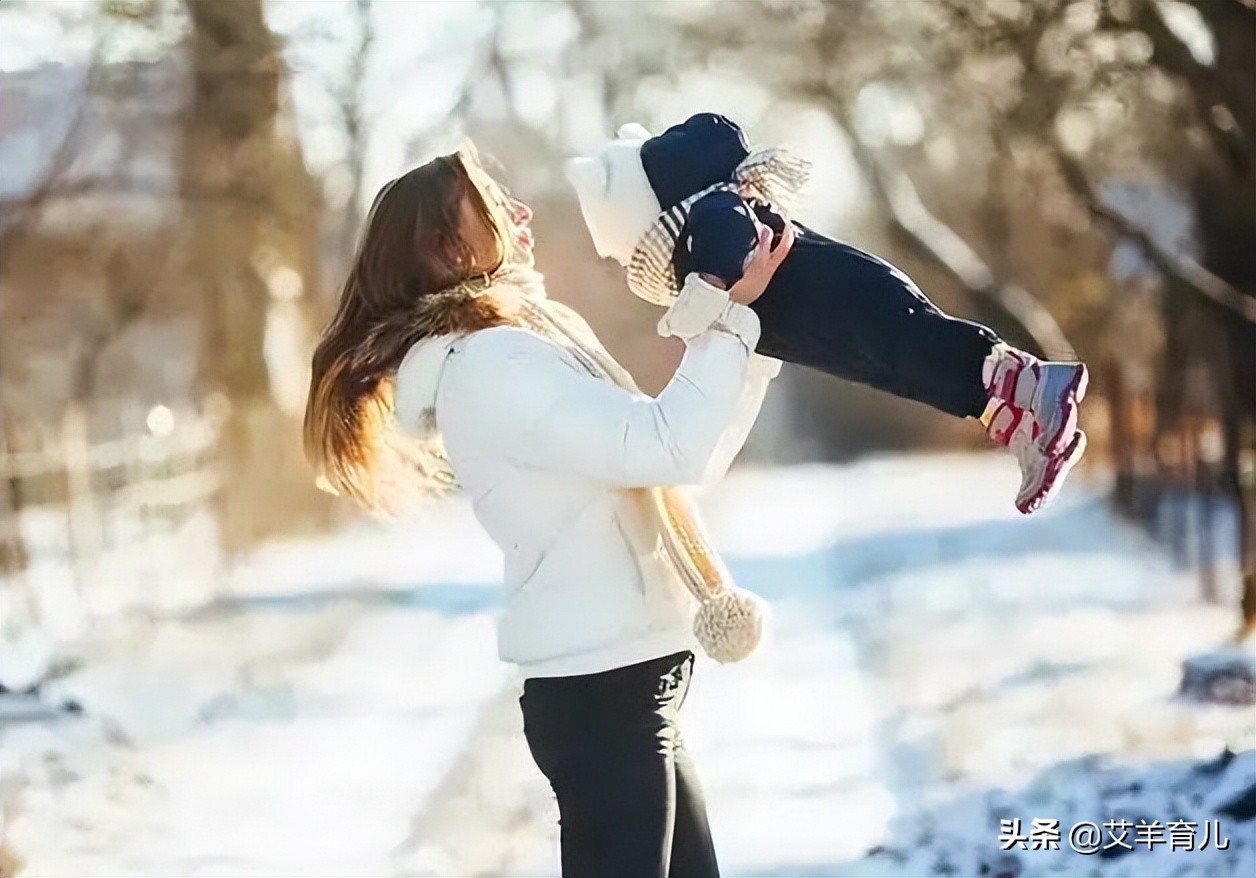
209,667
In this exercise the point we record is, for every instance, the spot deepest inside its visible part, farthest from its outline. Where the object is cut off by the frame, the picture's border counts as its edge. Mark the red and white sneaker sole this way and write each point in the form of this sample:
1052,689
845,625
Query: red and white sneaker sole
1053,475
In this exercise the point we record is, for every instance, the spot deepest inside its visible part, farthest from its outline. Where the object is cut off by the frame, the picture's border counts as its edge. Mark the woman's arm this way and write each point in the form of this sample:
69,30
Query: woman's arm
508,391
759,372
548,412
698,301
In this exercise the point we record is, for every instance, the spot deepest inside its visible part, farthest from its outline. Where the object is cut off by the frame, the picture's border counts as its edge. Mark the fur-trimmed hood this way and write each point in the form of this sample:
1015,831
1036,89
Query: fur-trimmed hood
440,320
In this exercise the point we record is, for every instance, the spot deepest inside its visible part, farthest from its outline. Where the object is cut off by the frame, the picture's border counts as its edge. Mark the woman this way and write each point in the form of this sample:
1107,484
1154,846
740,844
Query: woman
444,325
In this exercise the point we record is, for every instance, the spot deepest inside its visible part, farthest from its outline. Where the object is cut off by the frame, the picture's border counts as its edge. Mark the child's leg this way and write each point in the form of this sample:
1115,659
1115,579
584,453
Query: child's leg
1028,405
852,314
935,358
870,323
837,309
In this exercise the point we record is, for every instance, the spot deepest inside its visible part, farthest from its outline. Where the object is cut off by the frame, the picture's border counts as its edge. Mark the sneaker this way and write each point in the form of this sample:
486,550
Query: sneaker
1042,475
1047,391
1003,422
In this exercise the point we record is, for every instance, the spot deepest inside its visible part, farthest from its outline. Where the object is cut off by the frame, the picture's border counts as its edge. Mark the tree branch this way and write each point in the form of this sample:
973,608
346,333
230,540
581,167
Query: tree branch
1206,85
1180,267
940,244
122,186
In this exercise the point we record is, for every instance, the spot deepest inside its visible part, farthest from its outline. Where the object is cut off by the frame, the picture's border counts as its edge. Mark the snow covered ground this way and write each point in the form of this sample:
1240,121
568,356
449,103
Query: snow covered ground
937,664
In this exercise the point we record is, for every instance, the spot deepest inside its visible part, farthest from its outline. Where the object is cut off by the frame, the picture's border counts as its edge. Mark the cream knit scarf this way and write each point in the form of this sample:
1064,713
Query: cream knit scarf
660,521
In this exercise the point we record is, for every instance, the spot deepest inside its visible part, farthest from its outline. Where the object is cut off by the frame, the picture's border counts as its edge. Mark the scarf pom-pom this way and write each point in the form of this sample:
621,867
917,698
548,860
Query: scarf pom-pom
729,625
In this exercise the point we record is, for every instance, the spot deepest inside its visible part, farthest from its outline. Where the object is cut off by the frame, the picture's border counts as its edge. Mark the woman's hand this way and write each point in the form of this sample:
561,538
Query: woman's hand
762,265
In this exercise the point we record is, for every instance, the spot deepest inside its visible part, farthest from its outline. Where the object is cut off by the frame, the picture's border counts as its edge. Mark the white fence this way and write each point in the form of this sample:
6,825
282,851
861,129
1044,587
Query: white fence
101,528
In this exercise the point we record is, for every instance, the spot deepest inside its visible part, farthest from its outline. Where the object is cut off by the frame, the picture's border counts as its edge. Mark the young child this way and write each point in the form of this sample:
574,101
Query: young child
682,211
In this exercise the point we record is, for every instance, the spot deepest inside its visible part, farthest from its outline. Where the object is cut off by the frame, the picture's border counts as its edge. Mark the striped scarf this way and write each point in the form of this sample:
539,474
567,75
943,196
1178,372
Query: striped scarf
772,177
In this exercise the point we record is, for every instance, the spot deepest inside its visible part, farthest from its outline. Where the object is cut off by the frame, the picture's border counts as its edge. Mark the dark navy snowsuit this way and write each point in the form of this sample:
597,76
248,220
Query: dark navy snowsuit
830,306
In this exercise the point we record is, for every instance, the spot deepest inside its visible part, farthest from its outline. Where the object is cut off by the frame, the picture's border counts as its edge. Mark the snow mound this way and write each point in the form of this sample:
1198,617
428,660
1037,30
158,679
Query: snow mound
980,834
1226,676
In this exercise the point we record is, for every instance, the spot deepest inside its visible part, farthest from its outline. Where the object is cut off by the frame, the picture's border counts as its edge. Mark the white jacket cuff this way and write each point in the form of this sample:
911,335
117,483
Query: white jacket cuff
697,306
701,306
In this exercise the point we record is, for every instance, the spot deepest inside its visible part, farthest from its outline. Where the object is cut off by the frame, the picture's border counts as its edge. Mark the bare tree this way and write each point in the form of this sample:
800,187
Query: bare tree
1005,81
350,98
1212,304
252,217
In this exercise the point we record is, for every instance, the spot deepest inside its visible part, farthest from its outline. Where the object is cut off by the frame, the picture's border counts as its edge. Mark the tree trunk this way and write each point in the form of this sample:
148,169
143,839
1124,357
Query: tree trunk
251,222
1121,437
228,164
1240,473
14,561
1227,226
13,555
1247,557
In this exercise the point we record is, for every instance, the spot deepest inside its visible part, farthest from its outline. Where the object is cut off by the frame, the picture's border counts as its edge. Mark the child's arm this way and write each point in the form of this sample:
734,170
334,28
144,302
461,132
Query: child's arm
722,233
720,239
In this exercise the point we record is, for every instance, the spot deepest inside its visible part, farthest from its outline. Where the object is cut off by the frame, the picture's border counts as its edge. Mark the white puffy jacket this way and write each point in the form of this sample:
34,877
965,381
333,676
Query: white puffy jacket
541,446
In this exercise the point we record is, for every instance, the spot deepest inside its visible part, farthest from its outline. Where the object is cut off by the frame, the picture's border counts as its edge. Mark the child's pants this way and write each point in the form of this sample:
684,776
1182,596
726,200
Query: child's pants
833,307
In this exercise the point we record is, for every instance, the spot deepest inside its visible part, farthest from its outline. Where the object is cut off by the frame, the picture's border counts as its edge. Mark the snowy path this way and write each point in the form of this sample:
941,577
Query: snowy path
293,729
924,658
343,714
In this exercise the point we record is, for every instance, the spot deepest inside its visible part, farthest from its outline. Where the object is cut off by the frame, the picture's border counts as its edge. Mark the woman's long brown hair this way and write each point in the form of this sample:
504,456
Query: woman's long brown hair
412,247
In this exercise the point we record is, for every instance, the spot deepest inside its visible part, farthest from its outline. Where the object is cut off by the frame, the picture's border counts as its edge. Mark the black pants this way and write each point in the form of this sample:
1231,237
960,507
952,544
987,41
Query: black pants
628,798
835,308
